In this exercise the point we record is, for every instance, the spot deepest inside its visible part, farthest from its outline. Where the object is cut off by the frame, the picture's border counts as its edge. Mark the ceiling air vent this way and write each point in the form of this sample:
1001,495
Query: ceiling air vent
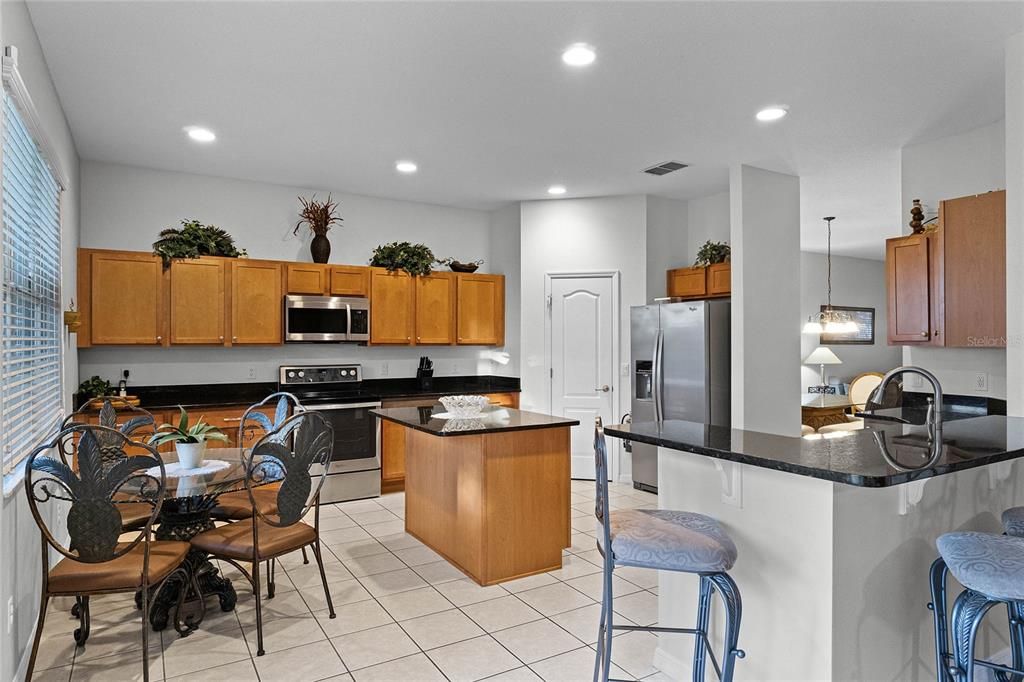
664,168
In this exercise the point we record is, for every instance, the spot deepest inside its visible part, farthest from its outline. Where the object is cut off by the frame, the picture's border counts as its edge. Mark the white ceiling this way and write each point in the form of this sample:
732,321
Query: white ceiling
331,94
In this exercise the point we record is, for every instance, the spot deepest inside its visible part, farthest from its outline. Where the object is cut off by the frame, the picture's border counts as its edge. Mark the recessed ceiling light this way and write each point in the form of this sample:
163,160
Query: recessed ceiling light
200,134
579,54
556,189
405,166
772,113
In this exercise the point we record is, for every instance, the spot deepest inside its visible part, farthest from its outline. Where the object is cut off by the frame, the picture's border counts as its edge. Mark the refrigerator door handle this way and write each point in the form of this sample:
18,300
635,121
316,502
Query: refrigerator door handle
656,378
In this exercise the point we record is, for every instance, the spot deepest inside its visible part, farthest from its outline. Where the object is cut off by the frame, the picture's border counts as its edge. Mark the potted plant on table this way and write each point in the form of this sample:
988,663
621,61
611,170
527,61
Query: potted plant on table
189,441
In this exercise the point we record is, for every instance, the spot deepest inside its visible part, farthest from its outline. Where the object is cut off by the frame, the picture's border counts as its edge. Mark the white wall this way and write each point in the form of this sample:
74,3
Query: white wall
20,571
667,241
855,282
707,219
1015,223
565,235
125,207
970,163
506,257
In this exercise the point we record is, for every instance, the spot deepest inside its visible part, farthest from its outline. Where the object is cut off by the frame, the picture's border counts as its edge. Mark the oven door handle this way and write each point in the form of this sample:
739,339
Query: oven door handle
340,406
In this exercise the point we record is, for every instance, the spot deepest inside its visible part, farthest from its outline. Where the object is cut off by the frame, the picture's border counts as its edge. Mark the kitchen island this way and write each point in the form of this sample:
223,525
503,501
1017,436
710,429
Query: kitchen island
490,494
834,539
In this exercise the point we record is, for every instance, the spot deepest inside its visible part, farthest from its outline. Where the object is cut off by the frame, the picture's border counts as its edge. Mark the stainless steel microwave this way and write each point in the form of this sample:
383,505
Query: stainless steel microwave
326,319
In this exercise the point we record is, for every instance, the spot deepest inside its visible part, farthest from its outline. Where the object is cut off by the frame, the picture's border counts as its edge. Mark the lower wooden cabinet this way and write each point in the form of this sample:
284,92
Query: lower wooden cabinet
256,302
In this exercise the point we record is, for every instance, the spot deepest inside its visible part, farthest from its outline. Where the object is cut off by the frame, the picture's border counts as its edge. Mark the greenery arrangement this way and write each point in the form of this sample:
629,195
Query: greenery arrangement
450,261
712,253
318,215
182,432
192,240
416,259
93,387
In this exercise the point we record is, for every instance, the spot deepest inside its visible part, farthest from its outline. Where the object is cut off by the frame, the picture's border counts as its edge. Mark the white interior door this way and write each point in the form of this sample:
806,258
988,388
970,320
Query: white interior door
582,345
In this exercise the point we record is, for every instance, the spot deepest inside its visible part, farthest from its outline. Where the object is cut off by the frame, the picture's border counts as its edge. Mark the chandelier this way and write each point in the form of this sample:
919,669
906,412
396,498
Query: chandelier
829,321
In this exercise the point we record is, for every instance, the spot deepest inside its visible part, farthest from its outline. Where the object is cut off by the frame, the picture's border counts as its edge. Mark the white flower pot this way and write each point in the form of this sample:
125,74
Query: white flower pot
190,455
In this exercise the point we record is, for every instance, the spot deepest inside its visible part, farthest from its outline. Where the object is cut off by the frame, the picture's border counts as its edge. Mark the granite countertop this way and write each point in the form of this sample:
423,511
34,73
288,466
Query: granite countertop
249,393
853,458
491,420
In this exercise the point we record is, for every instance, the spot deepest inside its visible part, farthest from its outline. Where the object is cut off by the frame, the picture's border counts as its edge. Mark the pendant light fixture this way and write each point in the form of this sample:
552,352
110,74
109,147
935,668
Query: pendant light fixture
828,320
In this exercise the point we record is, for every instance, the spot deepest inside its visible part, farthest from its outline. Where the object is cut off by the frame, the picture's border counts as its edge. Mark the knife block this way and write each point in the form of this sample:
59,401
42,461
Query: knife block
425,377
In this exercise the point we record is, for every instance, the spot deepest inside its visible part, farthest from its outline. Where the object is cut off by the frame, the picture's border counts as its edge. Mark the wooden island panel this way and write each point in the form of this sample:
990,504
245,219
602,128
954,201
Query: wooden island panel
496,504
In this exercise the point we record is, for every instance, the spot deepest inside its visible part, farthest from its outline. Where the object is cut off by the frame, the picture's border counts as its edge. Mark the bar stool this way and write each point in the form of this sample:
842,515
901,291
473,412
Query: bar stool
991,569
667,541
1013,522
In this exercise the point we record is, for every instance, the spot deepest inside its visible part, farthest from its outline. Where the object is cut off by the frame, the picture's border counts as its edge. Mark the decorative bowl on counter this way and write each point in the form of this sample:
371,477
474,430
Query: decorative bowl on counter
464,406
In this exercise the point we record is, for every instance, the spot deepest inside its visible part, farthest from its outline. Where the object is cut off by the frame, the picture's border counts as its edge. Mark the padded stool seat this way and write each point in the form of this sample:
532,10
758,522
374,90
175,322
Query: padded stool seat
670,540
235,540
990,564
1013,522
123,573
237,506
134,515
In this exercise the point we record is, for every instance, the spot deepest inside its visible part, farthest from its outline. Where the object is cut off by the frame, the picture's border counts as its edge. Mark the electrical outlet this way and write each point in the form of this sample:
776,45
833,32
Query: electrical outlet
252,372
383,369
455,368
981,381
10,614
916,381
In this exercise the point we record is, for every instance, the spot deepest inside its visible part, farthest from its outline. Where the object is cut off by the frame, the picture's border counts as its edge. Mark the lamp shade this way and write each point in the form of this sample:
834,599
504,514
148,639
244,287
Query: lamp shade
822,356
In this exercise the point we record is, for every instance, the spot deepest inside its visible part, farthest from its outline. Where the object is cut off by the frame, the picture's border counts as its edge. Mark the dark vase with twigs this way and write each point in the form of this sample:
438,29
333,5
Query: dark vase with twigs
319,216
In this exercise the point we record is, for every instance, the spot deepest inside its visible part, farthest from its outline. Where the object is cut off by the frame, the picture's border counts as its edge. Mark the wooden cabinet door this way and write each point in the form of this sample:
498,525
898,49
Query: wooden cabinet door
256,302
307,279
197,301
719,279
504,399
908,283
974,270
392,307
392,459
350,280
480,309
687,283
126,299
435,308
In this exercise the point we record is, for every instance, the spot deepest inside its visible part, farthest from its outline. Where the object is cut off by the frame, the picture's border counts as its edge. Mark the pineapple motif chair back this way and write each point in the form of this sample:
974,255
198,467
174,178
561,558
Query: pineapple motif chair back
84,503
601,480
255,424
136,423
295,455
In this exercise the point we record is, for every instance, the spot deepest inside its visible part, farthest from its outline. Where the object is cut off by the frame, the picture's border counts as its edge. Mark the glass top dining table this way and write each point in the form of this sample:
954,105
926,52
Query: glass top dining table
223,471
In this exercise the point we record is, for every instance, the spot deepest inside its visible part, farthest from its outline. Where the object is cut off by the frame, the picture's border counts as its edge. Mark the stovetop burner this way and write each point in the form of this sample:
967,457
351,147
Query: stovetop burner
324,383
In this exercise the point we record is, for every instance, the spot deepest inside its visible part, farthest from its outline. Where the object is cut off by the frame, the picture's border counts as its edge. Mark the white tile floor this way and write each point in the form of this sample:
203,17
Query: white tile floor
403,615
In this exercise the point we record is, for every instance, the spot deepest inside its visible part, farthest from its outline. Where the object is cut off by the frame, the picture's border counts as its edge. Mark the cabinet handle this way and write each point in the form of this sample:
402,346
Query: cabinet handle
924,334
231,419
234,338
936,333
419,338
408,338
159,339
221,338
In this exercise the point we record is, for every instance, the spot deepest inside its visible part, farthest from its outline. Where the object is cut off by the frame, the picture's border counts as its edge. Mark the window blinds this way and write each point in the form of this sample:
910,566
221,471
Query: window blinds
31,324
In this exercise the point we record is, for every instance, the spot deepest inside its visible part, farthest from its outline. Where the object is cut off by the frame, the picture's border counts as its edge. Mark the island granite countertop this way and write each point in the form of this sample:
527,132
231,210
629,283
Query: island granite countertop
492,419
852,457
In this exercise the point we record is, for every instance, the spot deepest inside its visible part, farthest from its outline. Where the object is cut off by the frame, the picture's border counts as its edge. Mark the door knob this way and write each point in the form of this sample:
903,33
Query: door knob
604,389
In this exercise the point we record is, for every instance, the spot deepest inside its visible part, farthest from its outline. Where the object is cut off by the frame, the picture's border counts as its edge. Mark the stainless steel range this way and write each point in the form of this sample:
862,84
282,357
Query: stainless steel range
335,391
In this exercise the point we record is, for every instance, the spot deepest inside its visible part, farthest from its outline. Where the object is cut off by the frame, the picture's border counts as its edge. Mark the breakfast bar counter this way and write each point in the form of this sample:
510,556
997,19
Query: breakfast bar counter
489,493
835,537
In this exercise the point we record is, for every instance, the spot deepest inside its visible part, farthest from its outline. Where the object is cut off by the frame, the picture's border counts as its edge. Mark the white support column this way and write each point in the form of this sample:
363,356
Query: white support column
1015,225
765,237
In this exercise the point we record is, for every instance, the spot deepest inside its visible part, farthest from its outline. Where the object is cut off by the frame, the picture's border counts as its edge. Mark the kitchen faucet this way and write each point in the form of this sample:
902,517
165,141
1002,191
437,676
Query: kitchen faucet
933,417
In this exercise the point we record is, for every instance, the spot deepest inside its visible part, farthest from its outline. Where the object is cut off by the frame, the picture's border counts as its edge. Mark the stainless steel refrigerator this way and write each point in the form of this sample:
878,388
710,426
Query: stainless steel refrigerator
680,369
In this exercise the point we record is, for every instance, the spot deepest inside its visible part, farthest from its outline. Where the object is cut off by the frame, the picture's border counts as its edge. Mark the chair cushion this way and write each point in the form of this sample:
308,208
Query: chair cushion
990,564
123,573
1013,522
237,505
852,425
234,541
806,430
670,540
134,515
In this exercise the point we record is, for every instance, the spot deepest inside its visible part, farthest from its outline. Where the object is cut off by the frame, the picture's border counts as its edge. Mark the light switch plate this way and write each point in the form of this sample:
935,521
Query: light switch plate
981,381
383,369
625,369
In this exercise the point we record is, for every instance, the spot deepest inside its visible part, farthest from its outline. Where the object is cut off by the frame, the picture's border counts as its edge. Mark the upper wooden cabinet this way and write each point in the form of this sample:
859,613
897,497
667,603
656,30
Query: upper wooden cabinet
699,282
480,309
948,287
392,312
197,301
435,308
306,278
350,280
121,296
256,302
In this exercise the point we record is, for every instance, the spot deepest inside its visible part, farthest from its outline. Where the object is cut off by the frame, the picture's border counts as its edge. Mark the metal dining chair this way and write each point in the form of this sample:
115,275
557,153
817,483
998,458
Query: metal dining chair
296,455
82,506
665,540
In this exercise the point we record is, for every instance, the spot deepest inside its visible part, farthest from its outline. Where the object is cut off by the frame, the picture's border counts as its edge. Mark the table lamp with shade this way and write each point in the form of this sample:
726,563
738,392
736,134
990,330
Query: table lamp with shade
822,356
